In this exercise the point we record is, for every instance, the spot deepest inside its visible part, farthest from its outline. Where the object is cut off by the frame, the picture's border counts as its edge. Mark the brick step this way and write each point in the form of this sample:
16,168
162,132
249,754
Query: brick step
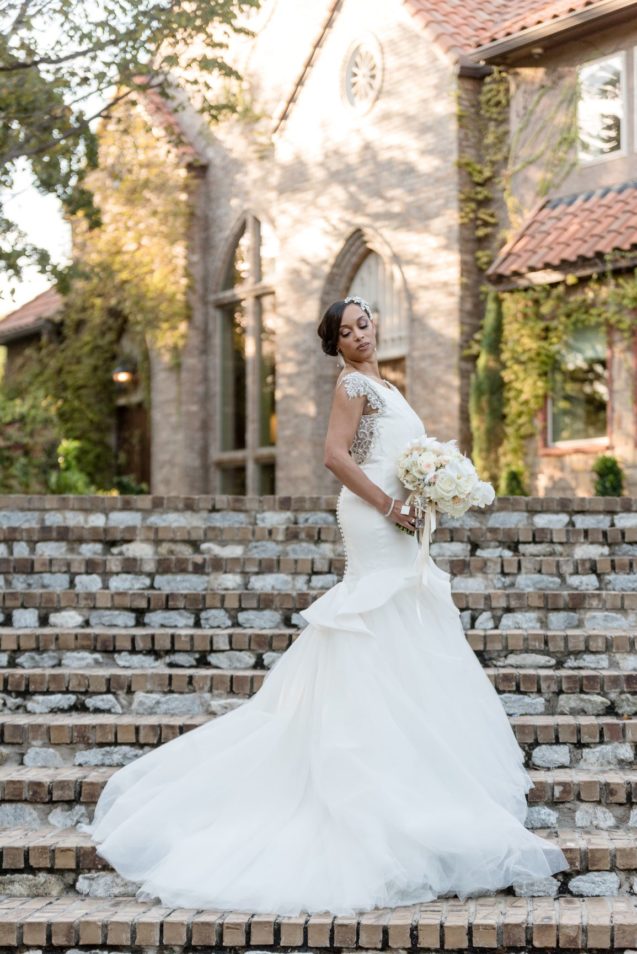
62,689
602,648
495,609
564,798
198,580
162,643
525,691
501,922
609,858
571,647
529,691
75,533
550,741
51,567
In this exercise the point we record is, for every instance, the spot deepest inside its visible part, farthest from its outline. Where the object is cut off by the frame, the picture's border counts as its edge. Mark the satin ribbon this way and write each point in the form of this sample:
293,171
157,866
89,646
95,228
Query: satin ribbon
424,534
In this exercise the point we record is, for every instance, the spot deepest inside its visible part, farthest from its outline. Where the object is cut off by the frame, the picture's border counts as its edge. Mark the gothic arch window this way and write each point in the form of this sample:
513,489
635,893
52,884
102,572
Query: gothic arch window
245,378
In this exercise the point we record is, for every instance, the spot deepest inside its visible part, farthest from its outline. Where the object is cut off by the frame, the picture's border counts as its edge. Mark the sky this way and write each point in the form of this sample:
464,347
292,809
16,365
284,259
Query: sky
40,217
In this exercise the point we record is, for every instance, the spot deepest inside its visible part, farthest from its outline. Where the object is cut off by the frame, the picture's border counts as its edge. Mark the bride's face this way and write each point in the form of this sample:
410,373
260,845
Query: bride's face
356,335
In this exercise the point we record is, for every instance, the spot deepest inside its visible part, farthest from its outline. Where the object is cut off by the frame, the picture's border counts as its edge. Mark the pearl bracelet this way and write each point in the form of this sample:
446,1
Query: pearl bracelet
391,507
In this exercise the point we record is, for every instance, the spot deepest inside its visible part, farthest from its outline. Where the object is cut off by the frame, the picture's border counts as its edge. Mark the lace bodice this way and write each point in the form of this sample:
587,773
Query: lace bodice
357,385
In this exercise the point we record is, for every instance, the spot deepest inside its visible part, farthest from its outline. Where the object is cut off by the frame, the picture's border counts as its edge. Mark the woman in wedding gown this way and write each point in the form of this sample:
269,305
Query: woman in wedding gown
376,765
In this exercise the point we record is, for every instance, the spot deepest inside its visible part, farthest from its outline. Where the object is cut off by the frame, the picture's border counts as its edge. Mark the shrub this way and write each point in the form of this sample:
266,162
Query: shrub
610,476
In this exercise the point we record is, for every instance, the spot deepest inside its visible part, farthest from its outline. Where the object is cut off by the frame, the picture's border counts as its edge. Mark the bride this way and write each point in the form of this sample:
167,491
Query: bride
376,765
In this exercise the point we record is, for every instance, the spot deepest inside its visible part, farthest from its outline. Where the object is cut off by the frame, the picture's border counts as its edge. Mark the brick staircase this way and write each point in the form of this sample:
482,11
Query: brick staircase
127,621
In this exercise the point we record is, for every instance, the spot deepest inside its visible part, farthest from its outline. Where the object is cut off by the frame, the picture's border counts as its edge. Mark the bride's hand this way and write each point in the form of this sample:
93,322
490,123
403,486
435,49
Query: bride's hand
406,520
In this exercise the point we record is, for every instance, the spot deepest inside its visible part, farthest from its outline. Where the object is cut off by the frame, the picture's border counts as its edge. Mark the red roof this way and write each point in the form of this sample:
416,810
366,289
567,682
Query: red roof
461,26
28,319
158,110
572,232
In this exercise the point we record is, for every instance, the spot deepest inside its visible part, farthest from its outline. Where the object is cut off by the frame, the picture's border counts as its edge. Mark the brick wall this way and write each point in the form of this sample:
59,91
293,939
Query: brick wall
542,93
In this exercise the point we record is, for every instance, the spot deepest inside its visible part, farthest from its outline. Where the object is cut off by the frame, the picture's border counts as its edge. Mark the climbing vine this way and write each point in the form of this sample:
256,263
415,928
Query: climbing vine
513,378
537,321
543,138
489,130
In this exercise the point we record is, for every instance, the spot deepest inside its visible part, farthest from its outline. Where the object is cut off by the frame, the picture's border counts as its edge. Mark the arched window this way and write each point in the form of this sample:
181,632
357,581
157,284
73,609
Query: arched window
380,283
246,373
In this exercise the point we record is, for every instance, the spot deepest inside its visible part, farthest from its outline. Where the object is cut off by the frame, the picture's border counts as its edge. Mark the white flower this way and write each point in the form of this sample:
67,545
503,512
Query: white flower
446,484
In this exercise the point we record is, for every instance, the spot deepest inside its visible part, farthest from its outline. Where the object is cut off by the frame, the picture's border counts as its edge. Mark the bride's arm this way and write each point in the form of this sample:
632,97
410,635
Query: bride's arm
342,425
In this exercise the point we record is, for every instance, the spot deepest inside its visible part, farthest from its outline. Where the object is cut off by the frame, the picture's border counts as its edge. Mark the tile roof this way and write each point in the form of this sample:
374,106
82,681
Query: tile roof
158,111
461,26
28,319
571,232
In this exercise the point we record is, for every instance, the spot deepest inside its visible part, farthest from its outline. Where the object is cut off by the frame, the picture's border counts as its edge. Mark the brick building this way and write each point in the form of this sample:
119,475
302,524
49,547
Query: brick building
342,175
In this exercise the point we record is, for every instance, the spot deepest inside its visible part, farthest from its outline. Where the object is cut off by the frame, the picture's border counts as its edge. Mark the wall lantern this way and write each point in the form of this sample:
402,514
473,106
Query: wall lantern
124,373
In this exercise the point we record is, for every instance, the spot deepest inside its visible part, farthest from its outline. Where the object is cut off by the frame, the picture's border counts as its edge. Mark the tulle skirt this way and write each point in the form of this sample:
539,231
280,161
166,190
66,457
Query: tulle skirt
375,766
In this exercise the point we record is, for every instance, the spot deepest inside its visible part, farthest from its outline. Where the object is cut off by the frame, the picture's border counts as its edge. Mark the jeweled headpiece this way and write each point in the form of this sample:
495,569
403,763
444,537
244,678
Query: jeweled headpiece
356,300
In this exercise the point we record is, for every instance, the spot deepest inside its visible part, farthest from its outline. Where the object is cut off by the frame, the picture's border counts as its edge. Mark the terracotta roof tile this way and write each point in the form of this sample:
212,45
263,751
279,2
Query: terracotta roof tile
570,232
469,24
28,319
158,111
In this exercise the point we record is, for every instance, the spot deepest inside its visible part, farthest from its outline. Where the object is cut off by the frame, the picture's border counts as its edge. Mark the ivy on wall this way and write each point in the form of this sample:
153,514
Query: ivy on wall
524,330
537,321
484,166
487,393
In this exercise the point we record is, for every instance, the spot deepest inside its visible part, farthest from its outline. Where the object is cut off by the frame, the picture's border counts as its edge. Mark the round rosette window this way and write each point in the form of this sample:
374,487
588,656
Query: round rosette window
363,75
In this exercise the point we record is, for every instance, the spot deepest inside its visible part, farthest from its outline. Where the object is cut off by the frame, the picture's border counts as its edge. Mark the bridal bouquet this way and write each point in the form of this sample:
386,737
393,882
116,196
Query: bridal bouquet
439,477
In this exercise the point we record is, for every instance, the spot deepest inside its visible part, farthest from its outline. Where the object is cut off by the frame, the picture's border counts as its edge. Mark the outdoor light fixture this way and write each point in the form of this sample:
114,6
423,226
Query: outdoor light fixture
124,373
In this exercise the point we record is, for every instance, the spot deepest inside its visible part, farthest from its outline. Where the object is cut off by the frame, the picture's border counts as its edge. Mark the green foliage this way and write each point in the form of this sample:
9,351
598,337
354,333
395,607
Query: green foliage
536,323
544,137
477,200
63,64
610,476
512,483
130,278
29,434
135,265
70,478
486,394
126,484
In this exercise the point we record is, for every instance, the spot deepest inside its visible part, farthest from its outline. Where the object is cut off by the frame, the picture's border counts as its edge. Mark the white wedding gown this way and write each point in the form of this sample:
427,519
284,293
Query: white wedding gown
375,766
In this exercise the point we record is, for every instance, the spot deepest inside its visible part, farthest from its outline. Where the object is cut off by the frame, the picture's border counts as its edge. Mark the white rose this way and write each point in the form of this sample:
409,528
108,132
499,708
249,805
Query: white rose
445,486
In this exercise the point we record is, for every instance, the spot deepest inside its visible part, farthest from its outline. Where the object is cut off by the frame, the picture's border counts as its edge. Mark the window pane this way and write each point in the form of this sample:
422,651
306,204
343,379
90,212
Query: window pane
267,372
268,251
579,388
267,482
233,377
239,268
233,481
600,107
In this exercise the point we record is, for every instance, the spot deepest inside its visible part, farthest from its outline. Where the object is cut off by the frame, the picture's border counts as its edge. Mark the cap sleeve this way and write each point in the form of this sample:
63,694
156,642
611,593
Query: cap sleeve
357,385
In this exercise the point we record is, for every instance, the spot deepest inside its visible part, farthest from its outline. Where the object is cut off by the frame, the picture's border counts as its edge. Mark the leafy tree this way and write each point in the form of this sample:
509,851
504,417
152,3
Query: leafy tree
63,64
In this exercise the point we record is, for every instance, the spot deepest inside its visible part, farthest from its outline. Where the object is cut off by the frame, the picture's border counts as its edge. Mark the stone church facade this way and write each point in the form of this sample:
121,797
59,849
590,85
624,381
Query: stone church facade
354,188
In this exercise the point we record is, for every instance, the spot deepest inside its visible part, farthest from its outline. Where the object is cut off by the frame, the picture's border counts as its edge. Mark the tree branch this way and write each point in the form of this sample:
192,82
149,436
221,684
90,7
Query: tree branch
24,6
20,153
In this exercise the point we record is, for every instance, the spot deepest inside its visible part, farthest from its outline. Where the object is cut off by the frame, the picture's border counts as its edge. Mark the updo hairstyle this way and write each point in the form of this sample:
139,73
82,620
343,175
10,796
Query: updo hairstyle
331,322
